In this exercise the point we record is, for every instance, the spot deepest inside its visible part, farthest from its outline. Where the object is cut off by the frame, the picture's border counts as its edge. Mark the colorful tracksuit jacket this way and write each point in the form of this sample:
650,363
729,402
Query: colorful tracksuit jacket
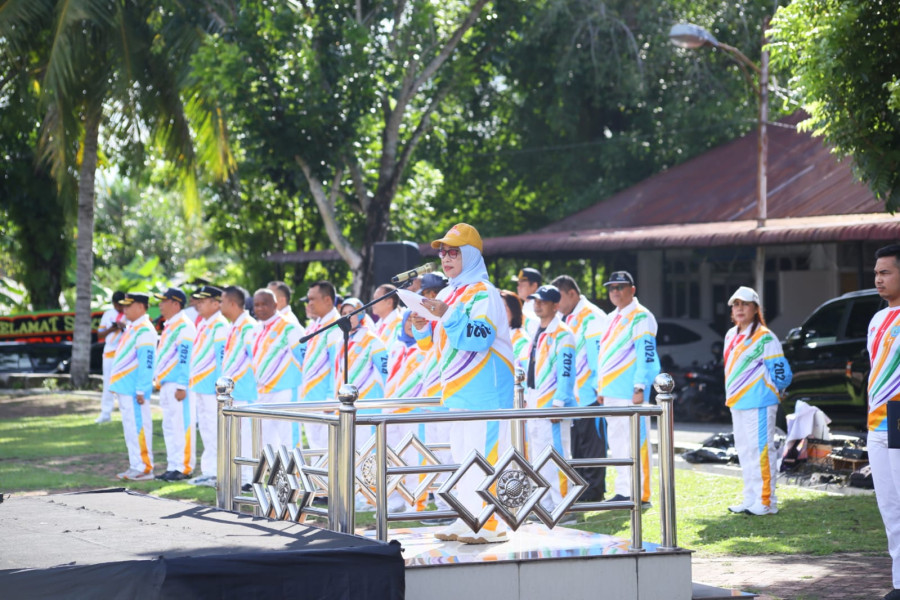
318,362
755,369
884,353
628,354
367,364
206,356
135,359
112,338
277,355
173,355
586,322
474,348
406,371
237,360
520,345
388,328
554,366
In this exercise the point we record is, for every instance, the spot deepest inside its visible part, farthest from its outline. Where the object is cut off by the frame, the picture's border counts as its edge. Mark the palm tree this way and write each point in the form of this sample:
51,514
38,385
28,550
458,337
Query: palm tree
121,66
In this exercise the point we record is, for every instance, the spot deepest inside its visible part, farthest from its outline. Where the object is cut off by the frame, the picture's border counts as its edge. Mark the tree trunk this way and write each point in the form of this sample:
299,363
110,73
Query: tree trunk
377,223
84,252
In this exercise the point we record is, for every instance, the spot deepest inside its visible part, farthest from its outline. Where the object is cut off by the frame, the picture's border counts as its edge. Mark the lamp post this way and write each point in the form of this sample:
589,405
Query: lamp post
686,35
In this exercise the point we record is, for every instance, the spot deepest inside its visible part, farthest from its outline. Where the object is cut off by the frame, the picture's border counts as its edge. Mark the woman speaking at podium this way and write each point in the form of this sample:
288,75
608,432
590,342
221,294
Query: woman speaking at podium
470,332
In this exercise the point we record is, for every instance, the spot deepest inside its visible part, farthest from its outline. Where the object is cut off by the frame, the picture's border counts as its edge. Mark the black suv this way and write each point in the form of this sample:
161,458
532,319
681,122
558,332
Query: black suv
829,358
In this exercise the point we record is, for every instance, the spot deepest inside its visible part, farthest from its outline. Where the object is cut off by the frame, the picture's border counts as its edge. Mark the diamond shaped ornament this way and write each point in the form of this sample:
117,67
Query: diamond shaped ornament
514,489
475,522
366,472
283,487
426,457
261,475
574,491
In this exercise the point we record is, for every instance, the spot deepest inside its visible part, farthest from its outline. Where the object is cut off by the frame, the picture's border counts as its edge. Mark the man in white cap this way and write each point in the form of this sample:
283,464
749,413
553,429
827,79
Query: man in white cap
628,364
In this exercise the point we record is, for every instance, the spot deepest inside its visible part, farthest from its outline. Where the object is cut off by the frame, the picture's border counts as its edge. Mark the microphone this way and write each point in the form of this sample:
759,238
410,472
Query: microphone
426,268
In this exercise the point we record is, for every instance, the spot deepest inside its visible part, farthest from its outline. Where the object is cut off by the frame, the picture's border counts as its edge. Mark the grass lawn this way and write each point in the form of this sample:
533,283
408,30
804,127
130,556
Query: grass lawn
50,443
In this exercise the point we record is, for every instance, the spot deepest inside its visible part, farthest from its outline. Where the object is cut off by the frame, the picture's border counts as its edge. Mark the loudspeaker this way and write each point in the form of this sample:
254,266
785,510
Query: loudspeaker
391,258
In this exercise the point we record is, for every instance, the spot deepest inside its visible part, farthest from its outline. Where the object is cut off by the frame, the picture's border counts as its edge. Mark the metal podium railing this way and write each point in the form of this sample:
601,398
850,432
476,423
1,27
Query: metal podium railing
287,481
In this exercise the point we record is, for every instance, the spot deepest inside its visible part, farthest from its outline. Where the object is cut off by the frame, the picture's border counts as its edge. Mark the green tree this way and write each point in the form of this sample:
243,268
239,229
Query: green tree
346,92
120,65
38,213
844,61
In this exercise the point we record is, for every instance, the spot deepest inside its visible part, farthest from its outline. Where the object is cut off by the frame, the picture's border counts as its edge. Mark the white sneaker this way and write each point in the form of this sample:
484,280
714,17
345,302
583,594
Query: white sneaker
103,419
739,508
759,509
452,533
135,475
484,537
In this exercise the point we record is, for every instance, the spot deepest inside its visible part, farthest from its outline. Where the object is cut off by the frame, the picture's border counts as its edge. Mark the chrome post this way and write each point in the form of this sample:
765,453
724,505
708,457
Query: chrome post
224,458
637,544
381,504
234,425
256,449
518,426
664,385
346,460
333,470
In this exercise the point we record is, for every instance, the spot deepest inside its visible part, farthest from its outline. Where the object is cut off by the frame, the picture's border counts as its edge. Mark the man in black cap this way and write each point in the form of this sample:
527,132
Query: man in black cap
172,378
527,282
112,324
628,364
131,380
206,368
550,383
431,284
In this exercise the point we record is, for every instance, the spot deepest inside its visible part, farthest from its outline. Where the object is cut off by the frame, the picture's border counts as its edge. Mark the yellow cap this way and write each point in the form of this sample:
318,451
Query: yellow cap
460,234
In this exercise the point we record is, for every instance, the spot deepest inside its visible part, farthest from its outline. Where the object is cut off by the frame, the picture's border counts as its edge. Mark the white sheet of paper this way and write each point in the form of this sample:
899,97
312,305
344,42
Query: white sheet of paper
413,302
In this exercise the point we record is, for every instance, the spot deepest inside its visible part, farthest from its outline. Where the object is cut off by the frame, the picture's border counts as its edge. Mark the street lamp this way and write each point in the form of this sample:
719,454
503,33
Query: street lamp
686,35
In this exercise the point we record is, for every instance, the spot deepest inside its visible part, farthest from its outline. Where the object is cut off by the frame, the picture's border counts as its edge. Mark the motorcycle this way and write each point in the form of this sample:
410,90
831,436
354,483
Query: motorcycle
701,395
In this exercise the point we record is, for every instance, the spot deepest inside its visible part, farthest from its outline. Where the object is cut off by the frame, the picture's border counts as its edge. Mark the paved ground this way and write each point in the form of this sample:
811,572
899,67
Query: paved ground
780,577
835,577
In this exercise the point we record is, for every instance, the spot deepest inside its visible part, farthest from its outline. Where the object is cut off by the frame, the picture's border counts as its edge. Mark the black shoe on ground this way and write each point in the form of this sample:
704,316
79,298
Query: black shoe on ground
320,501
178,476
646,504
247,488
165,476
620,498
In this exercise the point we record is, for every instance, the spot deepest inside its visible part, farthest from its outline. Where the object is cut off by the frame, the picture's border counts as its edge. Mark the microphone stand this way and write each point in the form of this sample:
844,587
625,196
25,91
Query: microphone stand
344,323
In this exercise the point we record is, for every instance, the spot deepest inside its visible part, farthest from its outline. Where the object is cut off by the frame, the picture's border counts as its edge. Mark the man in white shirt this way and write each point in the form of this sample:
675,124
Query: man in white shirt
112,324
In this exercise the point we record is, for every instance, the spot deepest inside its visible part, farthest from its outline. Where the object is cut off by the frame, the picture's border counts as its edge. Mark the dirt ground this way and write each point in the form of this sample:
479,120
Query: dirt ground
15,404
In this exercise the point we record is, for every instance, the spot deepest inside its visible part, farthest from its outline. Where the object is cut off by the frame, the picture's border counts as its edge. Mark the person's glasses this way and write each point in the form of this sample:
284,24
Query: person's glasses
451,252
617,288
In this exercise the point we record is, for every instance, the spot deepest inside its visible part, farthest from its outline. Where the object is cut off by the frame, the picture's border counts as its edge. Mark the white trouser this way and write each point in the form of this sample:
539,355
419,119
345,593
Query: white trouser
316,435
246,446
137,425
179,419
886,476
395,435
541,434
439,433
491,439
107,398
618,432
276,433
207,423
754,440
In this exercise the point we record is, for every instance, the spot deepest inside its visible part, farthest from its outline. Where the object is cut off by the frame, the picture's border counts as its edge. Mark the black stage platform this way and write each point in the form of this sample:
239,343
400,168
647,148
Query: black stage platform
119,544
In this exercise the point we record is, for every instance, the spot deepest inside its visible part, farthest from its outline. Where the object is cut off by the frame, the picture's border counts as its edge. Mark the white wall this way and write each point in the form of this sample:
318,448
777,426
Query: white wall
799,293
649,279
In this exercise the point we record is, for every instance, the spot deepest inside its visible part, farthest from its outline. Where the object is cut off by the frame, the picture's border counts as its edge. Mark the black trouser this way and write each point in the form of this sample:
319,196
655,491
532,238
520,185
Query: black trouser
589,441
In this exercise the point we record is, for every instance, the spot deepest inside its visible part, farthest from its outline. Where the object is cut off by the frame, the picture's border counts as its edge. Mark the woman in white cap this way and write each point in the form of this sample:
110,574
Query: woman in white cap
756,372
